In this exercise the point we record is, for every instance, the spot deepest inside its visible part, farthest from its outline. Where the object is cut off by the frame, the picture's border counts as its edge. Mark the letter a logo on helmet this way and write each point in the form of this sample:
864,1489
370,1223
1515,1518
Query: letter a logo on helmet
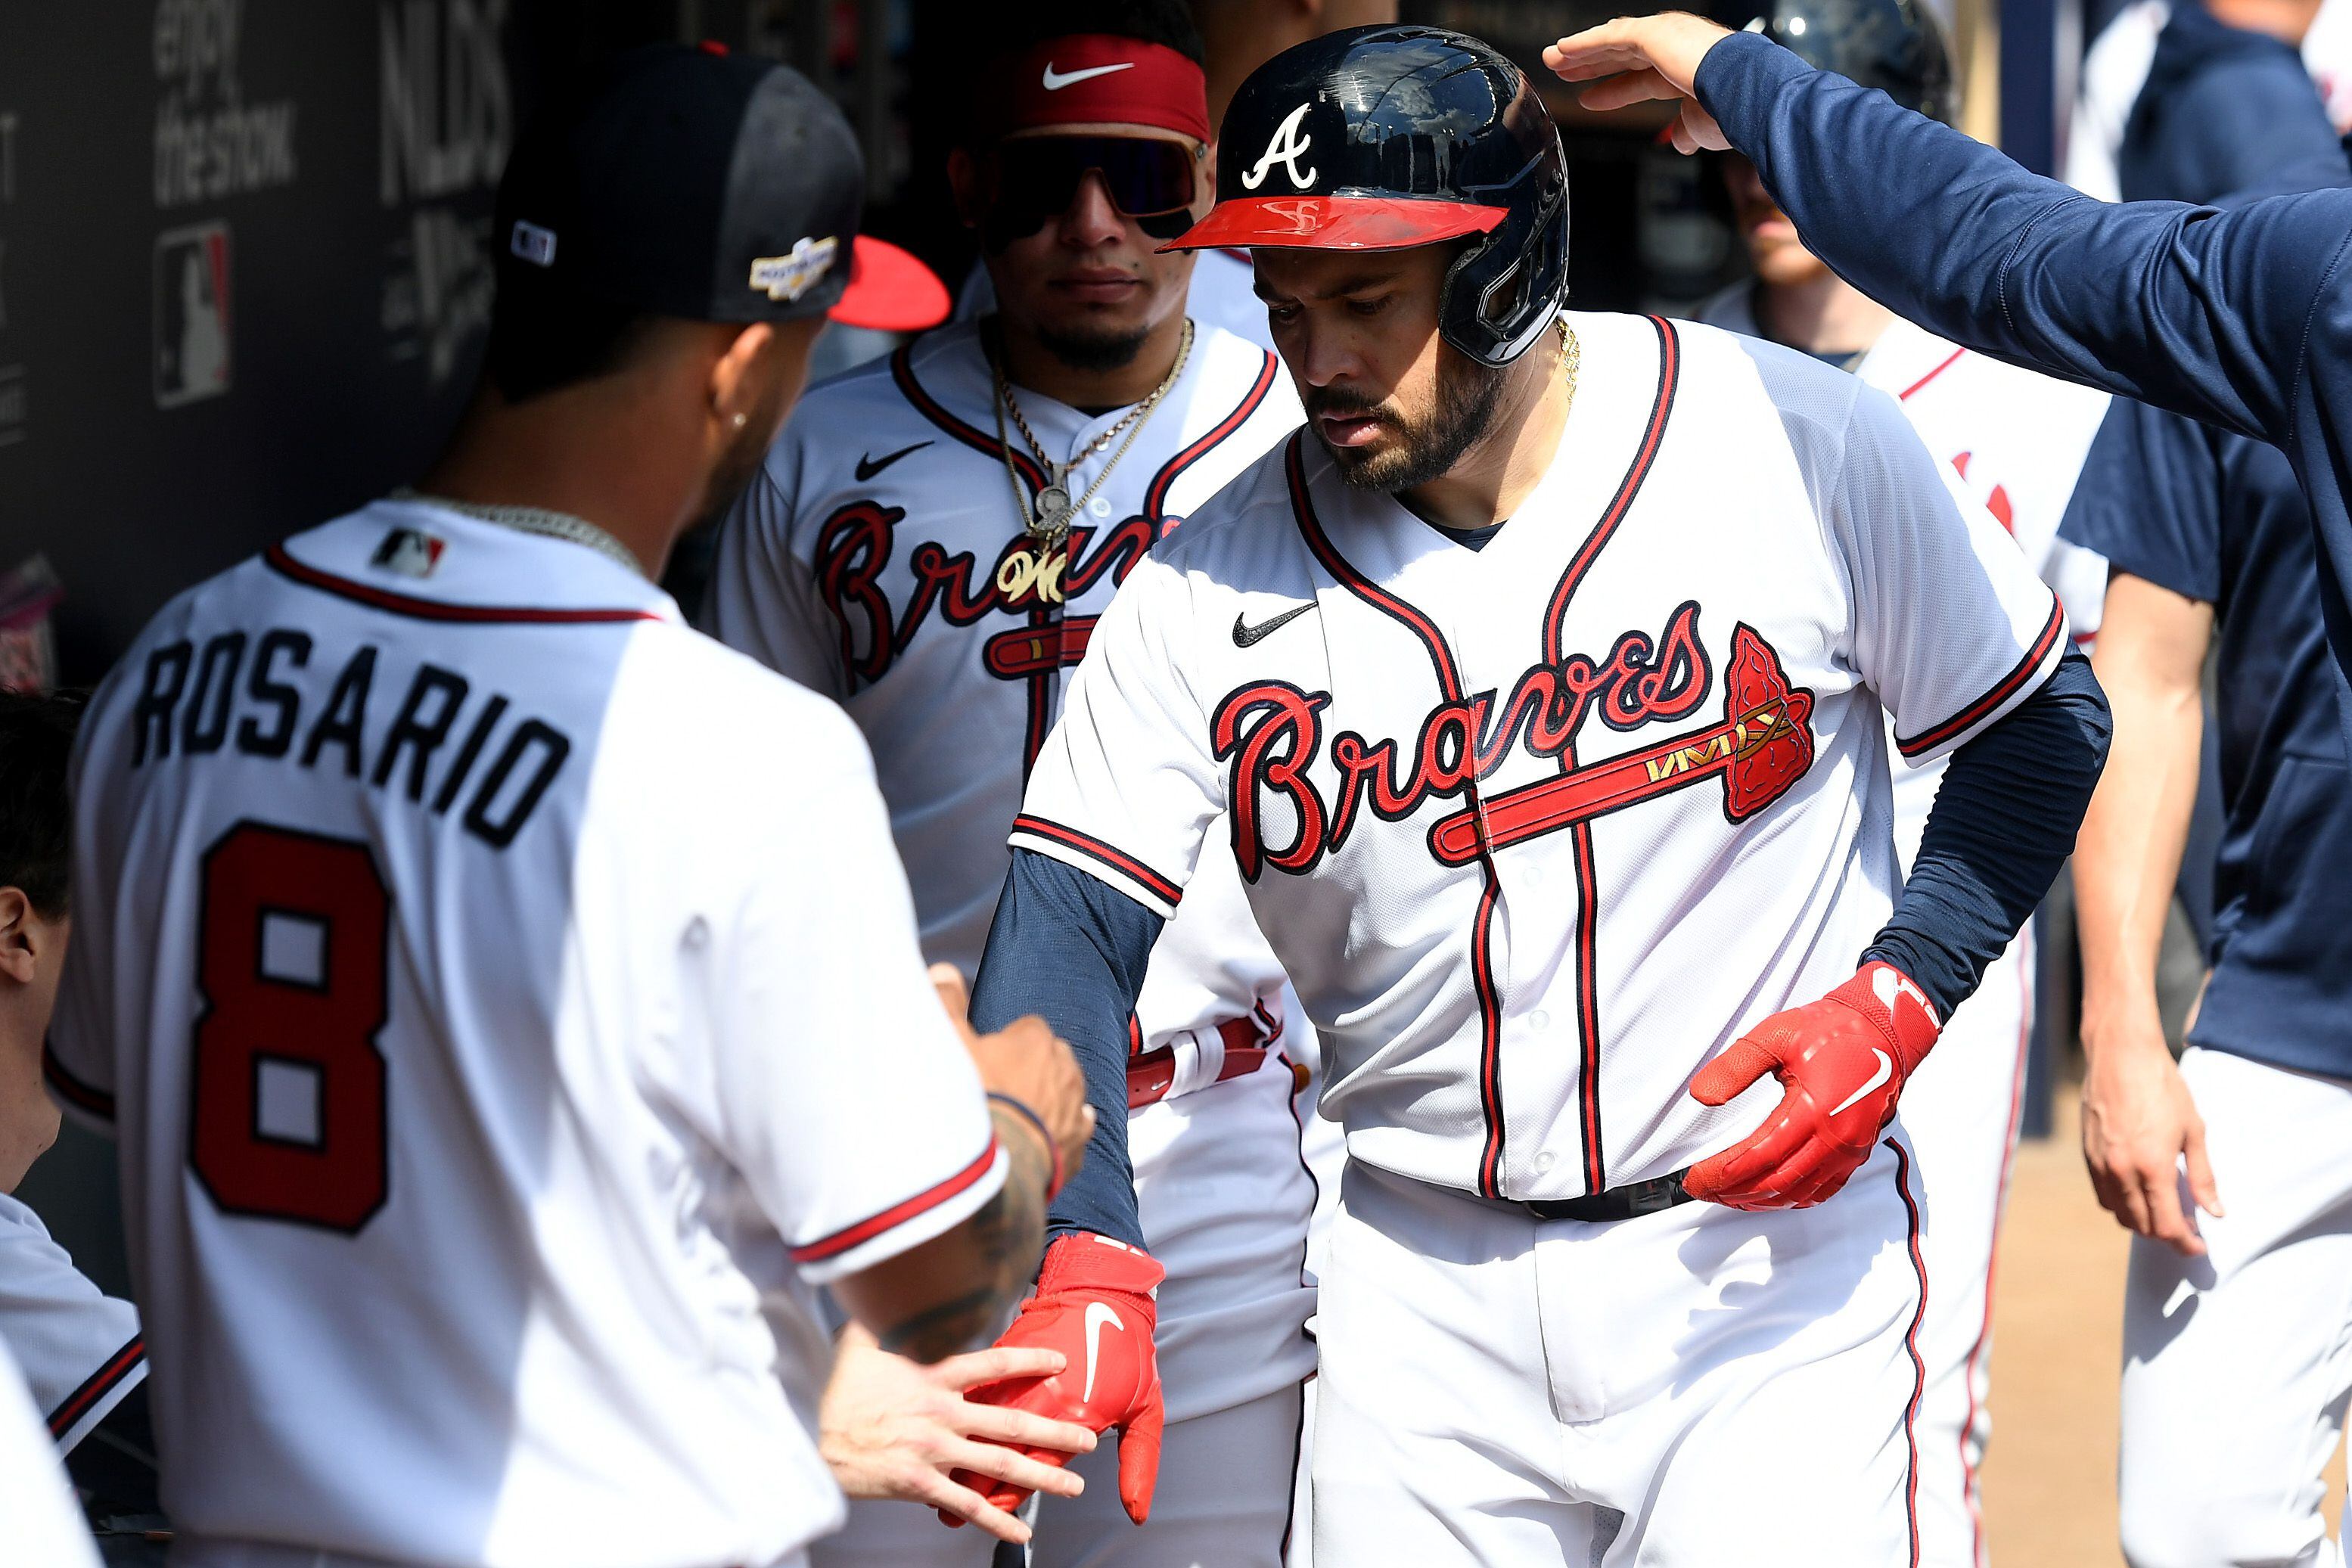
1286,148
1418,136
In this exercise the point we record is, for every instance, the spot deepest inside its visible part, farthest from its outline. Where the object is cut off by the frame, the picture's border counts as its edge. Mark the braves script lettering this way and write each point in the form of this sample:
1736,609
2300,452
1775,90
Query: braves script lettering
1270,734
855,545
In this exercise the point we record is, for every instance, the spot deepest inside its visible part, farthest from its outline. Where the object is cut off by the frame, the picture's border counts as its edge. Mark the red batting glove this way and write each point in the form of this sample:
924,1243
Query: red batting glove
1094,1304
1844,1060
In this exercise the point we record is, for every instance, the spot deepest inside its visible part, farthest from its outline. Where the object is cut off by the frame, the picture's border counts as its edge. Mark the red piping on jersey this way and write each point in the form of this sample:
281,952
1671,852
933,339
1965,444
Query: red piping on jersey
890,1218
2003,690
902,370
285,566
1156,498
96,1387
83,1096
1587,891
1127,865
1911,1346
1449,683
1905,395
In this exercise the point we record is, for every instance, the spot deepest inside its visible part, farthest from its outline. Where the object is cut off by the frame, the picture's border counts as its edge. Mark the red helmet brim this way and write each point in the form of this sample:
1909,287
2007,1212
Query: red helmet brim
1336,223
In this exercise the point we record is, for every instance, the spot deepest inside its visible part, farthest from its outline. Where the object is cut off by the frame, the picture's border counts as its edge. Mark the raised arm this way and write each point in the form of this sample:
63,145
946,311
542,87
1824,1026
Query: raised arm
2198,312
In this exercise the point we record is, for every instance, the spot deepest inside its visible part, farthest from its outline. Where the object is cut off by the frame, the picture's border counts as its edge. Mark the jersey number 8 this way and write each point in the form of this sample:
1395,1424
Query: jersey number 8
293,950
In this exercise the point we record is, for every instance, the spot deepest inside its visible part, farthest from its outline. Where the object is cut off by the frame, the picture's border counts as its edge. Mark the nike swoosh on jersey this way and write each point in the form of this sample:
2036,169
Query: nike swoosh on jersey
1056,80
1886,1070
869,466
1244,633
1097,1314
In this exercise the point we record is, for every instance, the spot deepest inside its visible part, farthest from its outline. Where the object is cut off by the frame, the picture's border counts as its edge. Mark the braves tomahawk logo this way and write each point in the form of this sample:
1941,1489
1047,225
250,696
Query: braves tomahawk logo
1288,146
1270,733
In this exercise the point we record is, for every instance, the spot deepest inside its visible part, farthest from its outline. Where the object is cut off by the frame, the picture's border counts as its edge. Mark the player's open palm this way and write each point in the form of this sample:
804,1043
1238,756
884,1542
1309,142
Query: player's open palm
2139,1125
895,1429
1642,59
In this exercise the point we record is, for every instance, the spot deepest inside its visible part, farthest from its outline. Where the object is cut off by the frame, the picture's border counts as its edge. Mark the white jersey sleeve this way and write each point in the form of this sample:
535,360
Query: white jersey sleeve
1952,628
763,595
801,1123
79,1348
38,1522
1128,782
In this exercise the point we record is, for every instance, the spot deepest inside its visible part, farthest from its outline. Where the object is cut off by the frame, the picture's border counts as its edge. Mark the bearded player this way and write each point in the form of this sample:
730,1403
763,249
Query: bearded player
2015,441
1536,689
931,542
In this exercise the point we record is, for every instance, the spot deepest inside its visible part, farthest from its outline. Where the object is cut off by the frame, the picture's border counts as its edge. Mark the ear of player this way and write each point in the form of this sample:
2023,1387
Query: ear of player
1843,1060
1094,1304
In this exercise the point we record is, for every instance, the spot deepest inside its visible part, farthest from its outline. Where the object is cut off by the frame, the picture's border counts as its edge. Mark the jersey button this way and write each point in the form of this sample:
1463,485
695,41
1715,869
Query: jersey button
1532,877
1539,1019
1099,505
1545,1161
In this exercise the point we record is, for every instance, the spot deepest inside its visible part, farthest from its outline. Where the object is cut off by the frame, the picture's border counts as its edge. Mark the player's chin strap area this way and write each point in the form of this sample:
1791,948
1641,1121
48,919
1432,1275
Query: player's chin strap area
1651,1196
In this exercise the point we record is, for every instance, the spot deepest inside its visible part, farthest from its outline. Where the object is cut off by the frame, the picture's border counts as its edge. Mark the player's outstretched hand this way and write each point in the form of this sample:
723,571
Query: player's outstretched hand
1643,58
1095,1305
1843,1059
2139,1127
892,1428
1025,1061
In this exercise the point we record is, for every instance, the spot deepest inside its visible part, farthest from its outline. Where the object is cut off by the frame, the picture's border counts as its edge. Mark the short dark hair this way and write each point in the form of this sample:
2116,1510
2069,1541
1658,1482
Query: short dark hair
37,737
1168,23
542,340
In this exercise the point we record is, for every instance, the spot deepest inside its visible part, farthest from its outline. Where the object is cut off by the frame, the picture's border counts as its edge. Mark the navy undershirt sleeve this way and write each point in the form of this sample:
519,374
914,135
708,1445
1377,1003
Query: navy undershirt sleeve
1072,948
2002,824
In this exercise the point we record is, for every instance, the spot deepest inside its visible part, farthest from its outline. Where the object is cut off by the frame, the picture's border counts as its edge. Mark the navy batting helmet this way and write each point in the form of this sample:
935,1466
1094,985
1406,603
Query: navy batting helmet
1893,45
1384,137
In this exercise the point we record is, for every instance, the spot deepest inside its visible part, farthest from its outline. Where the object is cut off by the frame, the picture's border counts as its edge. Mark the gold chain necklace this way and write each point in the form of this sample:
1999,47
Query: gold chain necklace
1571,359
1049,520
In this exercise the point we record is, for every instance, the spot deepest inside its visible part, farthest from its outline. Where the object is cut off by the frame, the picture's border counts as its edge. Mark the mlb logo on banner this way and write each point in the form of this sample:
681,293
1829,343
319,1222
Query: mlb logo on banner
192,314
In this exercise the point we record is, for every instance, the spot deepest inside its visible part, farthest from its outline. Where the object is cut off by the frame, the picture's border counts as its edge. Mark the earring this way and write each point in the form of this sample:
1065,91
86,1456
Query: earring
740,421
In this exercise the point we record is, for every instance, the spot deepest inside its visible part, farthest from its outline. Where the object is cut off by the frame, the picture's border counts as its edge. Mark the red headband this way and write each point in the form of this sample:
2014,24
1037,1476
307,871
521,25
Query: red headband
1085,78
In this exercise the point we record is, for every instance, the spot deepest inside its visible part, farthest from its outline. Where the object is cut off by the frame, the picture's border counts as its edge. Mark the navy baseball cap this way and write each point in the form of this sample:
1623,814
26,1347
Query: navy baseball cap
694,183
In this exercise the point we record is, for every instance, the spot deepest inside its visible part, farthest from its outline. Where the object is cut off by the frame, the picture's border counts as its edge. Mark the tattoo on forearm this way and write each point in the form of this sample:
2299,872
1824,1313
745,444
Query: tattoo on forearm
1008,1231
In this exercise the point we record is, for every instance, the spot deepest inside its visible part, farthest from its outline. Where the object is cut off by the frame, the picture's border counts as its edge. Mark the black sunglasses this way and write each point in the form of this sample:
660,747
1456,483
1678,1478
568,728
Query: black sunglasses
1034,179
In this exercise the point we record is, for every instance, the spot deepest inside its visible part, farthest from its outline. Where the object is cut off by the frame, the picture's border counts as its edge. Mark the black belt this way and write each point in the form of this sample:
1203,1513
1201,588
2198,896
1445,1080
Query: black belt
1653,1197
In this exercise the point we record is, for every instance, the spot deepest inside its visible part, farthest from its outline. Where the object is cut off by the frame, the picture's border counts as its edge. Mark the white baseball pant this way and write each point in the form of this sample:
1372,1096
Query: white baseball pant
2237,1365
1222,1501
1699,1385
1961,1110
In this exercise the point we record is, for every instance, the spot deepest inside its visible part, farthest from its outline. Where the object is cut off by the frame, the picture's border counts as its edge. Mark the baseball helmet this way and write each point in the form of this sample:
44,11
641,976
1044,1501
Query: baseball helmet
1385,137
1895,45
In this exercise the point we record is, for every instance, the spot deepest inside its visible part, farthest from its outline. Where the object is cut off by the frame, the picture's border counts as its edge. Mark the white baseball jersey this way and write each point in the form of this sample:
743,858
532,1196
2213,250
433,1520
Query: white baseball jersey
2014,438
1537,830
508,1002
38,1521
1221,295
79,1349
880,559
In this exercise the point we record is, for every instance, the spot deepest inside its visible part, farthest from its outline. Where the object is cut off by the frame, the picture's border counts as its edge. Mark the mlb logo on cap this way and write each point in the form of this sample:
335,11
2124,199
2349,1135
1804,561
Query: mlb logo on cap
532,242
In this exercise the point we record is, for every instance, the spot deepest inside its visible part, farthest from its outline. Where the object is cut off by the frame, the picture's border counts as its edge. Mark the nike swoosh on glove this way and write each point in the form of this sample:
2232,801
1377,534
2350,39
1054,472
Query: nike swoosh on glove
1843,1060
1095,1304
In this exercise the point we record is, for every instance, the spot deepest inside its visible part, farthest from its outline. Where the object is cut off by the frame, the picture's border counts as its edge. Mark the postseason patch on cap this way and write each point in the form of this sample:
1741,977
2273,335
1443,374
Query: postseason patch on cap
532,242
790,276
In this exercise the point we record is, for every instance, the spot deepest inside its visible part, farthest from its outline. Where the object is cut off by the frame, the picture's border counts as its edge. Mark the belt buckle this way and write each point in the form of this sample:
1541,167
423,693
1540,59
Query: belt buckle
1656,1196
